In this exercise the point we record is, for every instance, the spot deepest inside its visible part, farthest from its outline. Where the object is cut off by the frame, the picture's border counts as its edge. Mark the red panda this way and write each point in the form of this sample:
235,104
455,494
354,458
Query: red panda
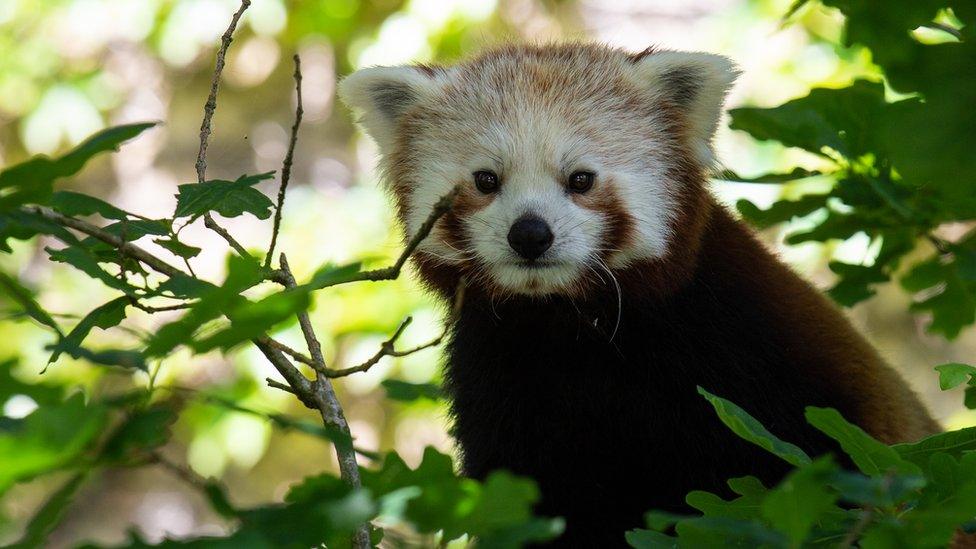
604,283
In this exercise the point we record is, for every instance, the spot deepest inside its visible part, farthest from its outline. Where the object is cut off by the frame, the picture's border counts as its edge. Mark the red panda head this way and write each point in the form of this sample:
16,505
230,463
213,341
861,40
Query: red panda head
574,161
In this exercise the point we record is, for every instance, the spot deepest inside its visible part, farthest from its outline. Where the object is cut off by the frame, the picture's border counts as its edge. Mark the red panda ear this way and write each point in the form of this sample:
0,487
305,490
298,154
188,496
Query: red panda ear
693,81
384,94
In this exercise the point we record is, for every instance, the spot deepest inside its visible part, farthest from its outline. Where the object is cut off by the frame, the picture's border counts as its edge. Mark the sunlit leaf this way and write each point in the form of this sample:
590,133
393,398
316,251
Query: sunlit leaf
844,120
954,374
104,317
178,248
750,429
228,198
13,288
871,456
31,181
71,203
48,439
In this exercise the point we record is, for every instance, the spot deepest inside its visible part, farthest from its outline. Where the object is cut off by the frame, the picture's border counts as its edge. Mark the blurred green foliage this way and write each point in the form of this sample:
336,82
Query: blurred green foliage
901,168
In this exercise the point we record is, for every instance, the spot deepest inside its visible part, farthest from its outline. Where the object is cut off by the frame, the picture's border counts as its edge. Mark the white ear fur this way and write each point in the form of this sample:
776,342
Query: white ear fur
384,94
694,81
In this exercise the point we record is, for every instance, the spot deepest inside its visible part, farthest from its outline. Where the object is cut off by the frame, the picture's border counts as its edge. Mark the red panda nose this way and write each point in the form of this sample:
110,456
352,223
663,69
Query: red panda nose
530,236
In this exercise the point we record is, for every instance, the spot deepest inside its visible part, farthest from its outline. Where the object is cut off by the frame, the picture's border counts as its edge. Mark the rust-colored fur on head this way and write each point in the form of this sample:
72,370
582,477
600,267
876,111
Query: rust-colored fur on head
533,116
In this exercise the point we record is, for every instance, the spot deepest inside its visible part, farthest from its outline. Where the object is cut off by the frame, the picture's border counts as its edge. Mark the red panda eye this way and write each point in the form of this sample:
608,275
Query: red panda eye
580,182
486,181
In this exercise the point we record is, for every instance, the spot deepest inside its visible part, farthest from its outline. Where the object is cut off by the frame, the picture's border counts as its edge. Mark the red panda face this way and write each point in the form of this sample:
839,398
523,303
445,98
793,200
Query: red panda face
569,159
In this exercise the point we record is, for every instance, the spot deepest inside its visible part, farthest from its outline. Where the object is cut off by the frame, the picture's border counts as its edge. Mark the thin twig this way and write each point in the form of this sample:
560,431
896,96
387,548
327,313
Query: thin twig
183,473
286,164
294,354
280,386
388,347
131,250
441,207
210,223
150,309
314,347
206,126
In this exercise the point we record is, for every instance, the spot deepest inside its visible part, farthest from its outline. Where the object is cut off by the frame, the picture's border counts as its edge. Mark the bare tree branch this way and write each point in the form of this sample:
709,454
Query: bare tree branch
294,354
325,399
206,127
131,250
286,164
388,347
441,207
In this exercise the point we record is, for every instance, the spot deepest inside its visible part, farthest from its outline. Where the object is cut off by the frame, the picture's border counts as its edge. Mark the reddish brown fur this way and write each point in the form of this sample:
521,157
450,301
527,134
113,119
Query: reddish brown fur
887,408
541,376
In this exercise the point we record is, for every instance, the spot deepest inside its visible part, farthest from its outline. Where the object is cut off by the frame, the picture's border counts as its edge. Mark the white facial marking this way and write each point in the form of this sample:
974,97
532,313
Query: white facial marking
533,117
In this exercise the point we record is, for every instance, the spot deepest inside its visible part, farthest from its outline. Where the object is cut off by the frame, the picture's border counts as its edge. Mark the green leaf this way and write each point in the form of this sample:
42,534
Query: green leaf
845,120
501,516
213,301
855,283
250,319
219,501
781,211
48,439
123,358
409,392
954,307
747,486
953,443
798,502
871,456
923,275
178,248
794,175
23,297
104,317
750,429
142,432
649,539
22,225
50,514
131,230
74,204
32,180
711,505
41,393
228,198
954,374
661,520
886,491
331,275
727,532
84,261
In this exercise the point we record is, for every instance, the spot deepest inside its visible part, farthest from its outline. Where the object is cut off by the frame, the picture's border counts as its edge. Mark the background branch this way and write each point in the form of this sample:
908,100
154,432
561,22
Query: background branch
286,164
206,127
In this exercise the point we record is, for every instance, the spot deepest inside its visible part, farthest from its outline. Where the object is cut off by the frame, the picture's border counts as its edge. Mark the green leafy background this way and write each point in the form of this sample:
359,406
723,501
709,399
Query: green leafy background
849,145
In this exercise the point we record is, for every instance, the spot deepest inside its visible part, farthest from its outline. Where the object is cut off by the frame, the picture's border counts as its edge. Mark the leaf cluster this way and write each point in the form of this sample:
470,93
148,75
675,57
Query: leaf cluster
899,169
